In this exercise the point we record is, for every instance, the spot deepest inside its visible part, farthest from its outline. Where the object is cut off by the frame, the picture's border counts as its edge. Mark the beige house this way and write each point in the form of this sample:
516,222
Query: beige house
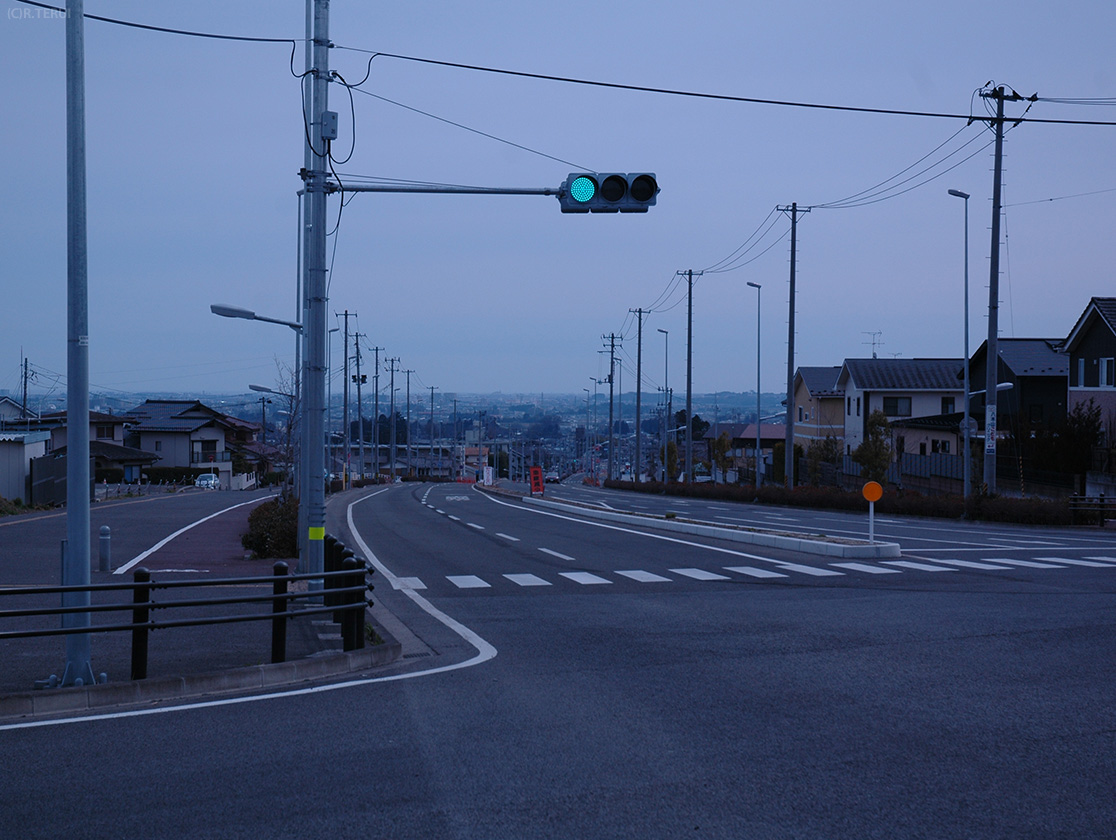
818,405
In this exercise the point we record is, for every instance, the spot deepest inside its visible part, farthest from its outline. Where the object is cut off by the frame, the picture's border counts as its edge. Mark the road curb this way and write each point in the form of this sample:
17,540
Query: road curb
77,699
803,543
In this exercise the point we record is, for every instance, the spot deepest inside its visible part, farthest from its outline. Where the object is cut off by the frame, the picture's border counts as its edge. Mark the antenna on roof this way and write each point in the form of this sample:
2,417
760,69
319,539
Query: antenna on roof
876,341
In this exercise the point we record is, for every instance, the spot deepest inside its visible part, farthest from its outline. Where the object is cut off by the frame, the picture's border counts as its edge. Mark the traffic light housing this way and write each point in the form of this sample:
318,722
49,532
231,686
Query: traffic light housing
608,192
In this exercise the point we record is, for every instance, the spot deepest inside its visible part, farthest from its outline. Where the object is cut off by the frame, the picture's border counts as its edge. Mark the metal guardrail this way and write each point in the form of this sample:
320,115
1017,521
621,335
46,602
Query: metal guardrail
1091,510
344,595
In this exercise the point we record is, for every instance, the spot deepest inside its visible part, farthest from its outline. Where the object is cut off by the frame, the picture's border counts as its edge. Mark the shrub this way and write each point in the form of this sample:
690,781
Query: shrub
273,529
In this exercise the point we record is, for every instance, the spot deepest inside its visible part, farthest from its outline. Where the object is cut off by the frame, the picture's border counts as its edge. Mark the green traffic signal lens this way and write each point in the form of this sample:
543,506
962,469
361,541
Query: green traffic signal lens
583,189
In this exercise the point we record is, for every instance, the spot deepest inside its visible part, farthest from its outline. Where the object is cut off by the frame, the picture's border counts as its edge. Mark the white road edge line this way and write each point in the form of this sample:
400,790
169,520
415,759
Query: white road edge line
485,651
140,557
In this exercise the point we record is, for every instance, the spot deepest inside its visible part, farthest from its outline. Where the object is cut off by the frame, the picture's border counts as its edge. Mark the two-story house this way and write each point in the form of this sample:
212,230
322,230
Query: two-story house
819,405
1091,350
183,433
902,389
1036,369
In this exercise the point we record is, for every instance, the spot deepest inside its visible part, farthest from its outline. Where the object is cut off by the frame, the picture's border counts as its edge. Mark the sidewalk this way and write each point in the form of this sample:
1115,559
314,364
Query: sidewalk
182,661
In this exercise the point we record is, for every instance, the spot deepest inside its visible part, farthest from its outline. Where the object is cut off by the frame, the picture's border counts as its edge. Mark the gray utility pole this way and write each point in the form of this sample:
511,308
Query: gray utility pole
666,404
391,420
322,130
75,563
788,461
376,412
410,455
347,436
759,436
360,407
690,373
611,371
432,387
639,391
992,354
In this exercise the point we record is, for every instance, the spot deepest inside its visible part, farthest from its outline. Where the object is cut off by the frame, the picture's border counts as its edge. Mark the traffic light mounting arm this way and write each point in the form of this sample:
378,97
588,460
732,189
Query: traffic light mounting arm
581,192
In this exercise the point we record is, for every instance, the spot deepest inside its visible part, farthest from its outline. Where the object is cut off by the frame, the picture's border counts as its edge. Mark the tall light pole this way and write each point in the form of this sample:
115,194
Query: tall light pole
321,130
666,405
967,485
759,439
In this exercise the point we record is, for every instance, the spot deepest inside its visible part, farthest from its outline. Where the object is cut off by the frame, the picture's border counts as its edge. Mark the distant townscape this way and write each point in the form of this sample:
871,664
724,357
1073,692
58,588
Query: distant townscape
1056,409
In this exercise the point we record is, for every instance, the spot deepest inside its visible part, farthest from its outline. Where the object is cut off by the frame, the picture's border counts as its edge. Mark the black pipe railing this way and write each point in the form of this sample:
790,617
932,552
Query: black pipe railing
344,595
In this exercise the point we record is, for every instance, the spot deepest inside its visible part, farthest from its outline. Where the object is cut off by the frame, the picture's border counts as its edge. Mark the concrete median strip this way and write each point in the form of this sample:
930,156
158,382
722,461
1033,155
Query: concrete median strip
820,544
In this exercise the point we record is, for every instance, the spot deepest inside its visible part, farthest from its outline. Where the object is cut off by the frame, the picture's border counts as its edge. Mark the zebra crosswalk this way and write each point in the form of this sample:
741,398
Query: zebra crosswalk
778,569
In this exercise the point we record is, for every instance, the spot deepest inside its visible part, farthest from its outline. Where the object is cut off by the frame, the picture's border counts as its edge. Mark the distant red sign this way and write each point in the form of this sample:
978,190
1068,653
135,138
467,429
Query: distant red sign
537,485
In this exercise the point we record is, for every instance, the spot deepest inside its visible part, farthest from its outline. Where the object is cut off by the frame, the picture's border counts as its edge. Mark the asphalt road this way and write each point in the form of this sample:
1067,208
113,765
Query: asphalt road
546,693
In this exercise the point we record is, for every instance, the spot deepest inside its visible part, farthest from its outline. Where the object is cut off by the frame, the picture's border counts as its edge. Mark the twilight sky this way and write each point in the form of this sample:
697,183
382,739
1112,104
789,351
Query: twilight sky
194,147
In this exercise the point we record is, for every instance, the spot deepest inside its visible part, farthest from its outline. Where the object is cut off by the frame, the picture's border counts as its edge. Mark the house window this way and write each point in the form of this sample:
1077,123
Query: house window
897,406
945,447
1107,372
848,406
858,406
922,448
948,405
800,414
935,446
158,446
104,433
1081,373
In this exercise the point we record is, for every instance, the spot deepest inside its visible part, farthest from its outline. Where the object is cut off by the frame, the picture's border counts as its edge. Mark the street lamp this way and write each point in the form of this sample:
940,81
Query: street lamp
248,315
311,492
757,287
967,485
666,392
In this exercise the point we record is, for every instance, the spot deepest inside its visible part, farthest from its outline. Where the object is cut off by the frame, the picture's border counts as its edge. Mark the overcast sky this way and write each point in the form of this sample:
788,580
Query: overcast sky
194,148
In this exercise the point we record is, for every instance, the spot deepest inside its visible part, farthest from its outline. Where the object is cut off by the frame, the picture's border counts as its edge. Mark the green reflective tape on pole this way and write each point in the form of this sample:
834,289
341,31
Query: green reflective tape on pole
317,533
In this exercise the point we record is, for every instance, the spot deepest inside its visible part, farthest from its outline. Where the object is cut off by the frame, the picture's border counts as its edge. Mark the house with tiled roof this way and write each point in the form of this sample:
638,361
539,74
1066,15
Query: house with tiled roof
183,433
1091,350
1037,369
819,405
902,389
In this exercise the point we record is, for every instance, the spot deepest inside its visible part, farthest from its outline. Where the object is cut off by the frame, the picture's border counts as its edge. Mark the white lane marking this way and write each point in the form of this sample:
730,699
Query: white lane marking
528,580
140,557
864,567
456,518
475,525
485,651
1103,559
644,577
921,567
584,578
1028,563
467,582
757,573
458,498
507,537
1078,562
806,570
623,530
439,510
969,564
555,554
699,574
411,583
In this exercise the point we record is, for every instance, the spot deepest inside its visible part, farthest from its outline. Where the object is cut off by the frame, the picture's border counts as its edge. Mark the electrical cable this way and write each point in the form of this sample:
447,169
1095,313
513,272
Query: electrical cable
166,29
468,128
564,79
703,95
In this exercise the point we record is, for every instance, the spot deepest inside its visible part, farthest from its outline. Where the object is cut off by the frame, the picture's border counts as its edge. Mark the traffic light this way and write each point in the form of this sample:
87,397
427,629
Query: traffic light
608,192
